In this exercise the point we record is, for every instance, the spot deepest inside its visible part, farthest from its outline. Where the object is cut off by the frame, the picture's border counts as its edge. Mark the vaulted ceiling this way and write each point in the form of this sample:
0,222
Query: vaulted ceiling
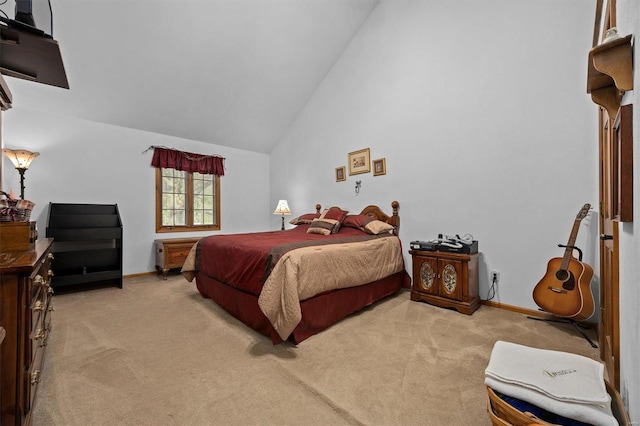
228,72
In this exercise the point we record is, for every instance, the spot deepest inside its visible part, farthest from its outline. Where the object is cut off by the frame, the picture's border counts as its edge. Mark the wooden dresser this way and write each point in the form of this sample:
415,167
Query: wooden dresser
25,314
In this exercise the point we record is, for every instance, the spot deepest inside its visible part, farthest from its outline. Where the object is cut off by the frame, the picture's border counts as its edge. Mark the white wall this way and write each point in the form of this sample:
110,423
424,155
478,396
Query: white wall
484,122
628,22
480,109
87,162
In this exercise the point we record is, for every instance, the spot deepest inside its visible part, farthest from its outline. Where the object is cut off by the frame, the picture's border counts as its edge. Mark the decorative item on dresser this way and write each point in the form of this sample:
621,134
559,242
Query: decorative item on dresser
171,253
17,236
25,314
449,280
12,210
88,245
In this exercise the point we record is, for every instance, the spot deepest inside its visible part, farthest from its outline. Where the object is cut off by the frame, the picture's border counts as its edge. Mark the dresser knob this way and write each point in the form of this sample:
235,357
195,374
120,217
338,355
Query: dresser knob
39,334
38,280
50,256
50,272
38,306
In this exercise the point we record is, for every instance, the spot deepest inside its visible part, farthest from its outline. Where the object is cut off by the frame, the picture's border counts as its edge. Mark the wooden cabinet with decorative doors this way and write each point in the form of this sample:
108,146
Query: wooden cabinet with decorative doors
448,280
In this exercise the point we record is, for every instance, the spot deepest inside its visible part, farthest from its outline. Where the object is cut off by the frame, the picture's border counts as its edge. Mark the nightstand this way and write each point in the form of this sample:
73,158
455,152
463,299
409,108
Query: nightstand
172,252
449,280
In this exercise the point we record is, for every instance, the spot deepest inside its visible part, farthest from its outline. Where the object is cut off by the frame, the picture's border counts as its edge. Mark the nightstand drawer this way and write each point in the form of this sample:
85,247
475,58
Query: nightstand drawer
177,254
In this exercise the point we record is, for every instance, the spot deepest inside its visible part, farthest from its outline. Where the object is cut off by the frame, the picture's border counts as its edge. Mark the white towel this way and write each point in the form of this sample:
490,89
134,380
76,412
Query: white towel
588,413
559,375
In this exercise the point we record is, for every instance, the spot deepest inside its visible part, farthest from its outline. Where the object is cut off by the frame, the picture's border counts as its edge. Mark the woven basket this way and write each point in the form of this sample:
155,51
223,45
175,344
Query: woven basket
14,210
502,413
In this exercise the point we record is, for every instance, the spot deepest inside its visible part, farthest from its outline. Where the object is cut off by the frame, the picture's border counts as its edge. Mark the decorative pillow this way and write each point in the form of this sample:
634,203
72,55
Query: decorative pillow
322,226
304,219
337,214
378,227
357,221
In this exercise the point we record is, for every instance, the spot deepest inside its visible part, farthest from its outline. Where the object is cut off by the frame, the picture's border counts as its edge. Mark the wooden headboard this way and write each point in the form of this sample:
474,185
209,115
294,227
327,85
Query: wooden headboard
377,213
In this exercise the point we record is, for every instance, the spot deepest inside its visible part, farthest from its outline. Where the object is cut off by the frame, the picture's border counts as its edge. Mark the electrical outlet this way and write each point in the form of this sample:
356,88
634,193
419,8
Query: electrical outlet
495,276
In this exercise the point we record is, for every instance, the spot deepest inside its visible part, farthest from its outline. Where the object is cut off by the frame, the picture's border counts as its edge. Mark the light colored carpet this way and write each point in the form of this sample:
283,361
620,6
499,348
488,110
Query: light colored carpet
157,353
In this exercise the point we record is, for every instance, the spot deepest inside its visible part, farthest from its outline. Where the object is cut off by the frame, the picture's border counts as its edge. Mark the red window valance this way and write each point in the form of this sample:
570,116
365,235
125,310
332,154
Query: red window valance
169,158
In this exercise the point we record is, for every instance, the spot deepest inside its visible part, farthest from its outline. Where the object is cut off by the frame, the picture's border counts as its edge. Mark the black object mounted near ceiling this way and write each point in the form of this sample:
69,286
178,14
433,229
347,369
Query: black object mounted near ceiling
28,52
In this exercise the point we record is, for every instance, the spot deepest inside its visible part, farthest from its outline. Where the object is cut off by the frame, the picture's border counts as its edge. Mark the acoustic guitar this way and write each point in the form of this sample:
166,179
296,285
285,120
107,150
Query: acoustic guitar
565,289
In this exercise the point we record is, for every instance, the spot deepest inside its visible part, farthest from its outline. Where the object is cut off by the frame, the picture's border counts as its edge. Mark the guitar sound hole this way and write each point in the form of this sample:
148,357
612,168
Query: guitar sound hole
562,275
567,279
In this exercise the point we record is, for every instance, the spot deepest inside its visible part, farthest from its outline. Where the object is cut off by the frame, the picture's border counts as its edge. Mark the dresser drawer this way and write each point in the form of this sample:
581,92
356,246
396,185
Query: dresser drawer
32,378
35,328
41,276
39,318
40,328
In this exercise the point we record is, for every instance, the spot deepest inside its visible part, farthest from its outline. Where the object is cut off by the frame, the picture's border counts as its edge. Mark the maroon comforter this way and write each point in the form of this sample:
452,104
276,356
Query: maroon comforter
243,261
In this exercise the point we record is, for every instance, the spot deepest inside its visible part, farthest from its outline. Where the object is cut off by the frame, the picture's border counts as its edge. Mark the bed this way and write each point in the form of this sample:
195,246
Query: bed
293,284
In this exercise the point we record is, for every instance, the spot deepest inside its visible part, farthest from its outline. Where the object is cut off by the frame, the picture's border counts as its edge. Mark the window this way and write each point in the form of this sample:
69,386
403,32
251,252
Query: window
186,201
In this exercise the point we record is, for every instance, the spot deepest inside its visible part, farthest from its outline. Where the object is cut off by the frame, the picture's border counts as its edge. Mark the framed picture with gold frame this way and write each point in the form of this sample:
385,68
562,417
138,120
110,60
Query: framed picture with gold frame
340,174
359,162
380,167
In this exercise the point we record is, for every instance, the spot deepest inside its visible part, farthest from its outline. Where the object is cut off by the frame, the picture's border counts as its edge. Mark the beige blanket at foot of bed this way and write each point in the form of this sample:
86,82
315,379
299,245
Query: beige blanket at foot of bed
306,272
188,270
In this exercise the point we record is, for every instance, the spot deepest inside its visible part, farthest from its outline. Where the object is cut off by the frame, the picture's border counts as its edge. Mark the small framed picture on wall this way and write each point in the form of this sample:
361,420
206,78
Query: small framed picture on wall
380,167
340,174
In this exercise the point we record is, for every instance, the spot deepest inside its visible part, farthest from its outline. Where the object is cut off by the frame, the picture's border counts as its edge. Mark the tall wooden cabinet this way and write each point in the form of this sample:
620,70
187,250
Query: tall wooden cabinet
25,315
449,280
610,73
88,245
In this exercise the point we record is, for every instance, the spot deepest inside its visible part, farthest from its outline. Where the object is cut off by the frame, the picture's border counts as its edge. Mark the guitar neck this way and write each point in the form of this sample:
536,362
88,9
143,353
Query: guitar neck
568,251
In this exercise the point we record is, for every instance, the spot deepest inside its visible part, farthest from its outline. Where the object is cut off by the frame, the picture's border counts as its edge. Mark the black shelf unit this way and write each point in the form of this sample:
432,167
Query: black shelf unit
87,245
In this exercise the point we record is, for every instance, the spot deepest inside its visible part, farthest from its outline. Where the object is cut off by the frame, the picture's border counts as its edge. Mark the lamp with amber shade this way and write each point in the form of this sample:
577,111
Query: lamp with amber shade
21,160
